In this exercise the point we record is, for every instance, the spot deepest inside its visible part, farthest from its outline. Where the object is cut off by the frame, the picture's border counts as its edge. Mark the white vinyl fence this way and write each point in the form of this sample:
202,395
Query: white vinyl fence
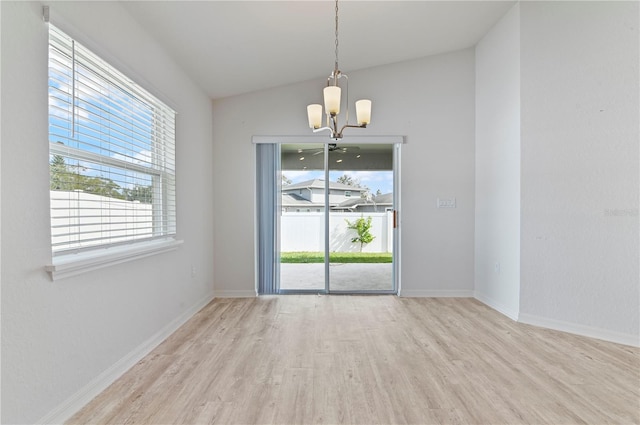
301,231
75,224
80,220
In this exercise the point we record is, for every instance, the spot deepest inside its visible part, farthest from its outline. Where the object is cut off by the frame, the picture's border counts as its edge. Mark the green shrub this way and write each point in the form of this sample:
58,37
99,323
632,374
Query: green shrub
362,227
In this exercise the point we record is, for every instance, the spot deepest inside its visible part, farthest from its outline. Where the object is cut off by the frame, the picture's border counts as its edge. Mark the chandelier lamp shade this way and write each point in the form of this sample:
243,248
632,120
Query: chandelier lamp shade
332,94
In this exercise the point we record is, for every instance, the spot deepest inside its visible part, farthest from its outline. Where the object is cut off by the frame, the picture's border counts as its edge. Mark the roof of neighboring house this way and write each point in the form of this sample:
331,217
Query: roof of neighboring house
292,199
385,198
382,200
319,184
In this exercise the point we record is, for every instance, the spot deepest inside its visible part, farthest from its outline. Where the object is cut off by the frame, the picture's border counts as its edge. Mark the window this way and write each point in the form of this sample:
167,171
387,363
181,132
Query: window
112,154
347,193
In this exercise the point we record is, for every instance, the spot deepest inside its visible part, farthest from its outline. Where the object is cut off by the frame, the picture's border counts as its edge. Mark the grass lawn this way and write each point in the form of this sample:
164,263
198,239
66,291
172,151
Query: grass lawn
336,257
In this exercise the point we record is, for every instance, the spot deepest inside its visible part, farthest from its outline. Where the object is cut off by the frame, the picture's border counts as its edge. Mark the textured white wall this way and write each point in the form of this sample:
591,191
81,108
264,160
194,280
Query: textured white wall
58,336
580,189
0,214
431,101
497,219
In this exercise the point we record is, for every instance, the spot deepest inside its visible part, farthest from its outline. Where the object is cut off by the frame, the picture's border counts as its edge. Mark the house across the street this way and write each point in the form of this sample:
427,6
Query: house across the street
308,196
379,203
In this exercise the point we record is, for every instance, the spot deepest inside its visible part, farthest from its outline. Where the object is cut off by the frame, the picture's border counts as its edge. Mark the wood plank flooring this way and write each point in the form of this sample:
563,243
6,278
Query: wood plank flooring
371,360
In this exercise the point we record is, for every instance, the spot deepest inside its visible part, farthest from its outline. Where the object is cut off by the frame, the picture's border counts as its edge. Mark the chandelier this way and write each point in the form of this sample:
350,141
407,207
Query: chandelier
332,102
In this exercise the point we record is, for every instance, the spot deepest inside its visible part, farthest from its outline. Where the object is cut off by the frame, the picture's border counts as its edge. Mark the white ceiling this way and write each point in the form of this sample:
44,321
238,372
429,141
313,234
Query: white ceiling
234,47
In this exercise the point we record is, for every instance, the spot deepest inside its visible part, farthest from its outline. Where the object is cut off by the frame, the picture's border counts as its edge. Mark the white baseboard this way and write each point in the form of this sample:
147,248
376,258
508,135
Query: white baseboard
501,308
78,400
235,294
436,293
588,331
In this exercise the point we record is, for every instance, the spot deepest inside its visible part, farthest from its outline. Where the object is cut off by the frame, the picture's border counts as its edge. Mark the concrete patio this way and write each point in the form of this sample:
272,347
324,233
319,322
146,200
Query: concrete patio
343,276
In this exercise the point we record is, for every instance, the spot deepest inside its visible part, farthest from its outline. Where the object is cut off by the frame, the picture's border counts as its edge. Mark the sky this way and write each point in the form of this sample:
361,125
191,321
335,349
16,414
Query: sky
100,112
374,180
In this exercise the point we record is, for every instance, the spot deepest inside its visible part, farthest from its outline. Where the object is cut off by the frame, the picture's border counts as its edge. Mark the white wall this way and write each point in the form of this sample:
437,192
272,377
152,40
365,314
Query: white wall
497,219
58,336
580,189
0,218
431,101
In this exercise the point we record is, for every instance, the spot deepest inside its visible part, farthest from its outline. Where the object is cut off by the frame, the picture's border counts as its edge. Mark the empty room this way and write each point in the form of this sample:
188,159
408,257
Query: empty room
320,212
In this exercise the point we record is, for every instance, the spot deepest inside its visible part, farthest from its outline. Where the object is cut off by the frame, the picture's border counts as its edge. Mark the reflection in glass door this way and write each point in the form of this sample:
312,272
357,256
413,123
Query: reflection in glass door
337,219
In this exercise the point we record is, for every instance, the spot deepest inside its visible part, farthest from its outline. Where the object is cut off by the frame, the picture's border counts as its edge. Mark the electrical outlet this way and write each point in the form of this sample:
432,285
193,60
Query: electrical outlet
446,203
496,267
193,271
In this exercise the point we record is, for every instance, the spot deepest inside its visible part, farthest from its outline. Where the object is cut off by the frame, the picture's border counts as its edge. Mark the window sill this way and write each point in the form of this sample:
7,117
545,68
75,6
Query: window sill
74,264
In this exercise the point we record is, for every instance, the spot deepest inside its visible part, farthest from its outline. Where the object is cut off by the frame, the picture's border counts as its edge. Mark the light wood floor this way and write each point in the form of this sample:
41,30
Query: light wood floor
371,360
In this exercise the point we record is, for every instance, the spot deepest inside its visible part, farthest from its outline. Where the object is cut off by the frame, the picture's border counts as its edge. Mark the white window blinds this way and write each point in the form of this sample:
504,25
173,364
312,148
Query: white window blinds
112,153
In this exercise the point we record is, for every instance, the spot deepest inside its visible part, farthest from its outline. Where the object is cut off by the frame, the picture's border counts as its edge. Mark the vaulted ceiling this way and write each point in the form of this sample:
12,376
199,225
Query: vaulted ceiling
234,47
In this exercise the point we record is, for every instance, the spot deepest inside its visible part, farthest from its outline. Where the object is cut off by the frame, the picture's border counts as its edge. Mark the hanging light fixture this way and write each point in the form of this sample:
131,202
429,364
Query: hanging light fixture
332,101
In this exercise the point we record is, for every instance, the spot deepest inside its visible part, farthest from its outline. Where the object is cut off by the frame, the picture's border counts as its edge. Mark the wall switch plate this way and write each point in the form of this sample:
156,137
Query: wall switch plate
446,202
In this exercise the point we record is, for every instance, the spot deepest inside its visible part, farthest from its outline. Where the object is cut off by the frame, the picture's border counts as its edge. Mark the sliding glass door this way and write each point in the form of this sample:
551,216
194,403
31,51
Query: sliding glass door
334,218
302,218
361,211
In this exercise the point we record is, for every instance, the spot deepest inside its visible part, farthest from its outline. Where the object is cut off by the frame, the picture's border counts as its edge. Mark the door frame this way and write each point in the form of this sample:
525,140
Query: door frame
396,142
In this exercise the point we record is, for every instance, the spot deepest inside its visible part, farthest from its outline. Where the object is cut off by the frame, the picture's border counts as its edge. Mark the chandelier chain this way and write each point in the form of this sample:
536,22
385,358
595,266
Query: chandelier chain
333,100
336,35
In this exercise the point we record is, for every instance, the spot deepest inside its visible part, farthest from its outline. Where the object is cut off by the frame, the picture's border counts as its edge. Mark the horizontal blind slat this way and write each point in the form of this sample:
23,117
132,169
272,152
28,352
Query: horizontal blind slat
112,153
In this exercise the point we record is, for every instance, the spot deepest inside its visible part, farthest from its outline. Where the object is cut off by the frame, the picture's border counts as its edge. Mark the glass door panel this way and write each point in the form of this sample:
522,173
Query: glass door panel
361,217
302,218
